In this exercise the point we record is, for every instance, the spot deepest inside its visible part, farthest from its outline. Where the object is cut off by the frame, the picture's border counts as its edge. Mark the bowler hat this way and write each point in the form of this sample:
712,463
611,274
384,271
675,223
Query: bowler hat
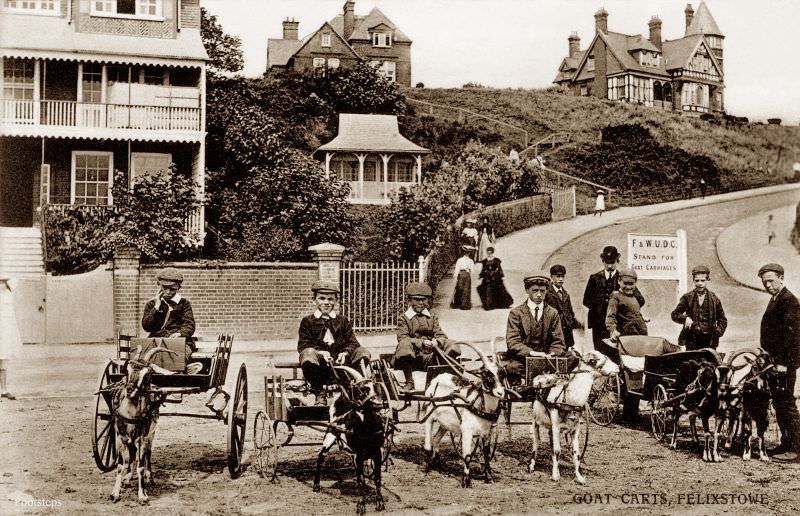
558,270
418,290
170,274
628,272
609,254
771,267
701,269
536,278
325,286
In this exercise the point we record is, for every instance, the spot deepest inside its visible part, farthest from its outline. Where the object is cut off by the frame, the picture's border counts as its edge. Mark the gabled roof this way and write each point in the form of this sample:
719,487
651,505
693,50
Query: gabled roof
370,133
703,22
620,47
362,25
279,51
679,52
325,25
568,66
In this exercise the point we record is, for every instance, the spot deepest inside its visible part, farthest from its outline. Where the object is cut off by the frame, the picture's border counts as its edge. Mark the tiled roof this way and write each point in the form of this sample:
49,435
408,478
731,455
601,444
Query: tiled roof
370,133
280,50
678,51
362,24
568,66
637,42
703,22
622,44
52,37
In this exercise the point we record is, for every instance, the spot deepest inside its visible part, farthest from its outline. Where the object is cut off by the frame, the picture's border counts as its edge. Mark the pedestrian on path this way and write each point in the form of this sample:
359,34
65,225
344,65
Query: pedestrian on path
463,276
10,339
469,237
558,297
780,337
702,188
486,238
600,203
770,229
492,291
700,313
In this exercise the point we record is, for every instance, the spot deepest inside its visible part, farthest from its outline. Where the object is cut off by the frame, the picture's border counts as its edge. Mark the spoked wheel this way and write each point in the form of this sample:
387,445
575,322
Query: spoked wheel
583,426
266,446
237,424
604,400
104,434
659,415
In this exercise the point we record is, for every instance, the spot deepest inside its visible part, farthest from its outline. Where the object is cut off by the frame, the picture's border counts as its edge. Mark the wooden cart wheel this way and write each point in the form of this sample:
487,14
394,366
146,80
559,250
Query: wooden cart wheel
604,400
659,415
237,424
265,445
104,434
583,425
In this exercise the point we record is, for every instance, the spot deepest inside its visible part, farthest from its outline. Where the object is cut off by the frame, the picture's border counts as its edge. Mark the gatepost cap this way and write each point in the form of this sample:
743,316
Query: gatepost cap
536,278
558,270
170,274
418,290
628,272
325,286
771,267
609,254
700,269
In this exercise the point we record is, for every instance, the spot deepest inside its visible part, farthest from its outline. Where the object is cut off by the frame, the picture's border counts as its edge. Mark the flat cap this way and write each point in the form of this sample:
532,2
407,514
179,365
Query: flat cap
325,286
558,270
418,290
771,267
609,254
170,274
627,272
700,269
536,278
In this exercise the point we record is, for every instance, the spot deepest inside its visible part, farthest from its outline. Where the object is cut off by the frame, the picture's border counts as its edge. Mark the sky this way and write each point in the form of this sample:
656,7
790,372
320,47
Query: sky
520,43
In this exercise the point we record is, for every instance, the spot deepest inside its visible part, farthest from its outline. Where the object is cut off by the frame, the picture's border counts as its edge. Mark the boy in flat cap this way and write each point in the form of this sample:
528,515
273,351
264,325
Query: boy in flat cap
418,332
595,298
700,313
533,328
780,337
169,314
624,315
326,337
558,297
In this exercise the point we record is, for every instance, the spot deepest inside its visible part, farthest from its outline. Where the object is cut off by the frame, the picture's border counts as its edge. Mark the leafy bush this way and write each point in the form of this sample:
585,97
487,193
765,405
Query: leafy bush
774,121
76,238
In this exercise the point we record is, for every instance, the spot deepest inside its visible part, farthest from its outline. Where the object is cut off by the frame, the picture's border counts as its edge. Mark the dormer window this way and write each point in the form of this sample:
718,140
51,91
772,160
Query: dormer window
381,39
151,9
34,6
326,40
649,59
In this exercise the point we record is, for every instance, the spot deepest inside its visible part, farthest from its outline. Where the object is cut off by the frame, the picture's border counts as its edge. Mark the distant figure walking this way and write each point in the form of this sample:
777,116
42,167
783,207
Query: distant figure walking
492,291
463,276
486,238
10,339
600,203
469,237
702,188
770,229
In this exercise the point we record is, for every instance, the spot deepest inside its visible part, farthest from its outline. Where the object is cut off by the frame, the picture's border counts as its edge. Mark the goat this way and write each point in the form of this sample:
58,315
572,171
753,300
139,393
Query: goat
756,395
698,382
135,413
363,432
467,404
558,406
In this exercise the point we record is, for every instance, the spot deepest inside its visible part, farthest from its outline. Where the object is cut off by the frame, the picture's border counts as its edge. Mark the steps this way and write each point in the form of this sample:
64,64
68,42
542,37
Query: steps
21,252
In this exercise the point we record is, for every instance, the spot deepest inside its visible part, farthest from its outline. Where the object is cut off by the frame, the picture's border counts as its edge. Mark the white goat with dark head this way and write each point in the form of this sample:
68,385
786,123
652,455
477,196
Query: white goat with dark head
559,408
467,405
135,412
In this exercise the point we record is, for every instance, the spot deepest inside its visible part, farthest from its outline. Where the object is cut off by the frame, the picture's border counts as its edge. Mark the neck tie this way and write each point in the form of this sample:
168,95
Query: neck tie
536,313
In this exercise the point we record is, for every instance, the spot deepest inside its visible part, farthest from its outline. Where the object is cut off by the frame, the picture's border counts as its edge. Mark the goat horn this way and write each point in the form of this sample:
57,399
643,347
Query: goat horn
152,351
479,352
352,372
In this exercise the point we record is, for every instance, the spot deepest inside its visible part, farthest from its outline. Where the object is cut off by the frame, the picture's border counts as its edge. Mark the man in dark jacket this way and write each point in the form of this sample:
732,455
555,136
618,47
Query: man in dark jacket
558,297
168,314
701,314
780,337
326,337
595,298
534,328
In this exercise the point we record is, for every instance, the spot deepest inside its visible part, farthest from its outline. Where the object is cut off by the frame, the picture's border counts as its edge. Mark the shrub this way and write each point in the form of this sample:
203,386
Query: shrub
76,238
774,121
419,85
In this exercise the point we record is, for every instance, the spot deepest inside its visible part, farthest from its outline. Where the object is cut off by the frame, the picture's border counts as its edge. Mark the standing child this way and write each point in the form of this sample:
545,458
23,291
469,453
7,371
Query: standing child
701,314
624,315
463,276
10,339
600,203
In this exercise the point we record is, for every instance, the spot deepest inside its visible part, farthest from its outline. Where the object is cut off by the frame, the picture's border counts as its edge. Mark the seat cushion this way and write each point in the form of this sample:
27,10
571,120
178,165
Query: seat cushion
633,364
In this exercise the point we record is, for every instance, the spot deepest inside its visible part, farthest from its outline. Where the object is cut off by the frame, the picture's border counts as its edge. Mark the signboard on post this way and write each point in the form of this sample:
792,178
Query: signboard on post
659,257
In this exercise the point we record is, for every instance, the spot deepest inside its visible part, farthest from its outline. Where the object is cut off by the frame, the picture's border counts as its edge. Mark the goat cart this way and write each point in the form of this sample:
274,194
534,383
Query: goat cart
169,382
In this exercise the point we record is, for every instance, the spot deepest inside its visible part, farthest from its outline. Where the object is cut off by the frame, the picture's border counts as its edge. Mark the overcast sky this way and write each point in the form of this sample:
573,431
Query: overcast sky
520,43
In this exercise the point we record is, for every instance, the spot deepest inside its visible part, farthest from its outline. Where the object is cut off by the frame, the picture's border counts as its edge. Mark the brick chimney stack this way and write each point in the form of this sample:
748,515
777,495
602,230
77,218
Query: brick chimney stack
349,17
655,31
574,44
689,12
601,20
290,28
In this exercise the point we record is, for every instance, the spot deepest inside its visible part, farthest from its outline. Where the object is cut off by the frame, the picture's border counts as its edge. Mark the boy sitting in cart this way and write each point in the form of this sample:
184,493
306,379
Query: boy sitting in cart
418,334
326,337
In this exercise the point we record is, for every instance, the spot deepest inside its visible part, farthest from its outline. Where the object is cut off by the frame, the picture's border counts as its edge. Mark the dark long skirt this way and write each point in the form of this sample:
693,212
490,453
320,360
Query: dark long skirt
494,294
463,291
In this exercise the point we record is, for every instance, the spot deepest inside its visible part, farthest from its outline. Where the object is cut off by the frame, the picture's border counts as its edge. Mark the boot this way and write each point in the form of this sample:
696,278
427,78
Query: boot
408,374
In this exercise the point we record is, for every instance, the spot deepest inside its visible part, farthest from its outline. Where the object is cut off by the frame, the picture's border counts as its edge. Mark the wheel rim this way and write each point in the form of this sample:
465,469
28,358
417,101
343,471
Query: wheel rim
237,424
605,404
583,425
658,415
263,438
104,434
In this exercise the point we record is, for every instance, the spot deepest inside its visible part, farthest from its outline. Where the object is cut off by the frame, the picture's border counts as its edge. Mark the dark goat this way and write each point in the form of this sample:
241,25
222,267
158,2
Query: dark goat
358,425
698,384
756,395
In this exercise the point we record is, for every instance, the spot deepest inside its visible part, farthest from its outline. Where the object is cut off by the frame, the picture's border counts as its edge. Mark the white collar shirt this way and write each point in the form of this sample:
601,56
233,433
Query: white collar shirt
533,306
410,313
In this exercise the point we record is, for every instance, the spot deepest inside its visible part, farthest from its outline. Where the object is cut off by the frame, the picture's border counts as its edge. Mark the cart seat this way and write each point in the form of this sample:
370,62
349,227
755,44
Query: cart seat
645,345
632,364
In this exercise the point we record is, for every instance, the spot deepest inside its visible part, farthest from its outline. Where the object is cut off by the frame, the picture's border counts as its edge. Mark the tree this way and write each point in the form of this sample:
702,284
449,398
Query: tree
224,50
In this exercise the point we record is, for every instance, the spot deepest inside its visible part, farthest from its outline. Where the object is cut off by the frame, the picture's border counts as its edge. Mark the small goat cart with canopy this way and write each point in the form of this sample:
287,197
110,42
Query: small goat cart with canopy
169,382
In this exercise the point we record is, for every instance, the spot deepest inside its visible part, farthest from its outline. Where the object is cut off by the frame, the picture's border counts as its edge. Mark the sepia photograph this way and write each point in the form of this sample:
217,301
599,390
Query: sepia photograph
399,256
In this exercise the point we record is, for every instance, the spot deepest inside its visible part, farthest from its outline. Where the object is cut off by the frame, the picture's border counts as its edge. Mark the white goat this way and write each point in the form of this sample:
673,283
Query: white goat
560,408
461,405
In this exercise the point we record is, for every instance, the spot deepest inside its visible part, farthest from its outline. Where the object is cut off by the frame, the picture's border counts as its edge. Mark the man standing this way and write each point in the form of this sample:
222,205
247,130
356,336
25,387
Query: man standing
780,337
701,314
595,297
558,297
533,329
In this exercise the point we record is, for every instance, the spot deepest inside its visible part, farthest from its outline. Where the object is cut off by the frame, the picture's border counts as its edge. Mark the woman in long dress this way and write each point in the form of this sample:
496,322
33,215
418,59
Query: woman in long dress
486,238
492,291
463,277
10,340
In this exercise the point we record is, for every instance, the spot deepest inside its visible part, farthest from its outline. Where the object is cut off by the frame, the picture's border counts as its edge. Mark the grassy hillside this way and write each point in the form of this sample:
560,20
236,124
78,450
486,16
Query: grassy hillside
747,155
